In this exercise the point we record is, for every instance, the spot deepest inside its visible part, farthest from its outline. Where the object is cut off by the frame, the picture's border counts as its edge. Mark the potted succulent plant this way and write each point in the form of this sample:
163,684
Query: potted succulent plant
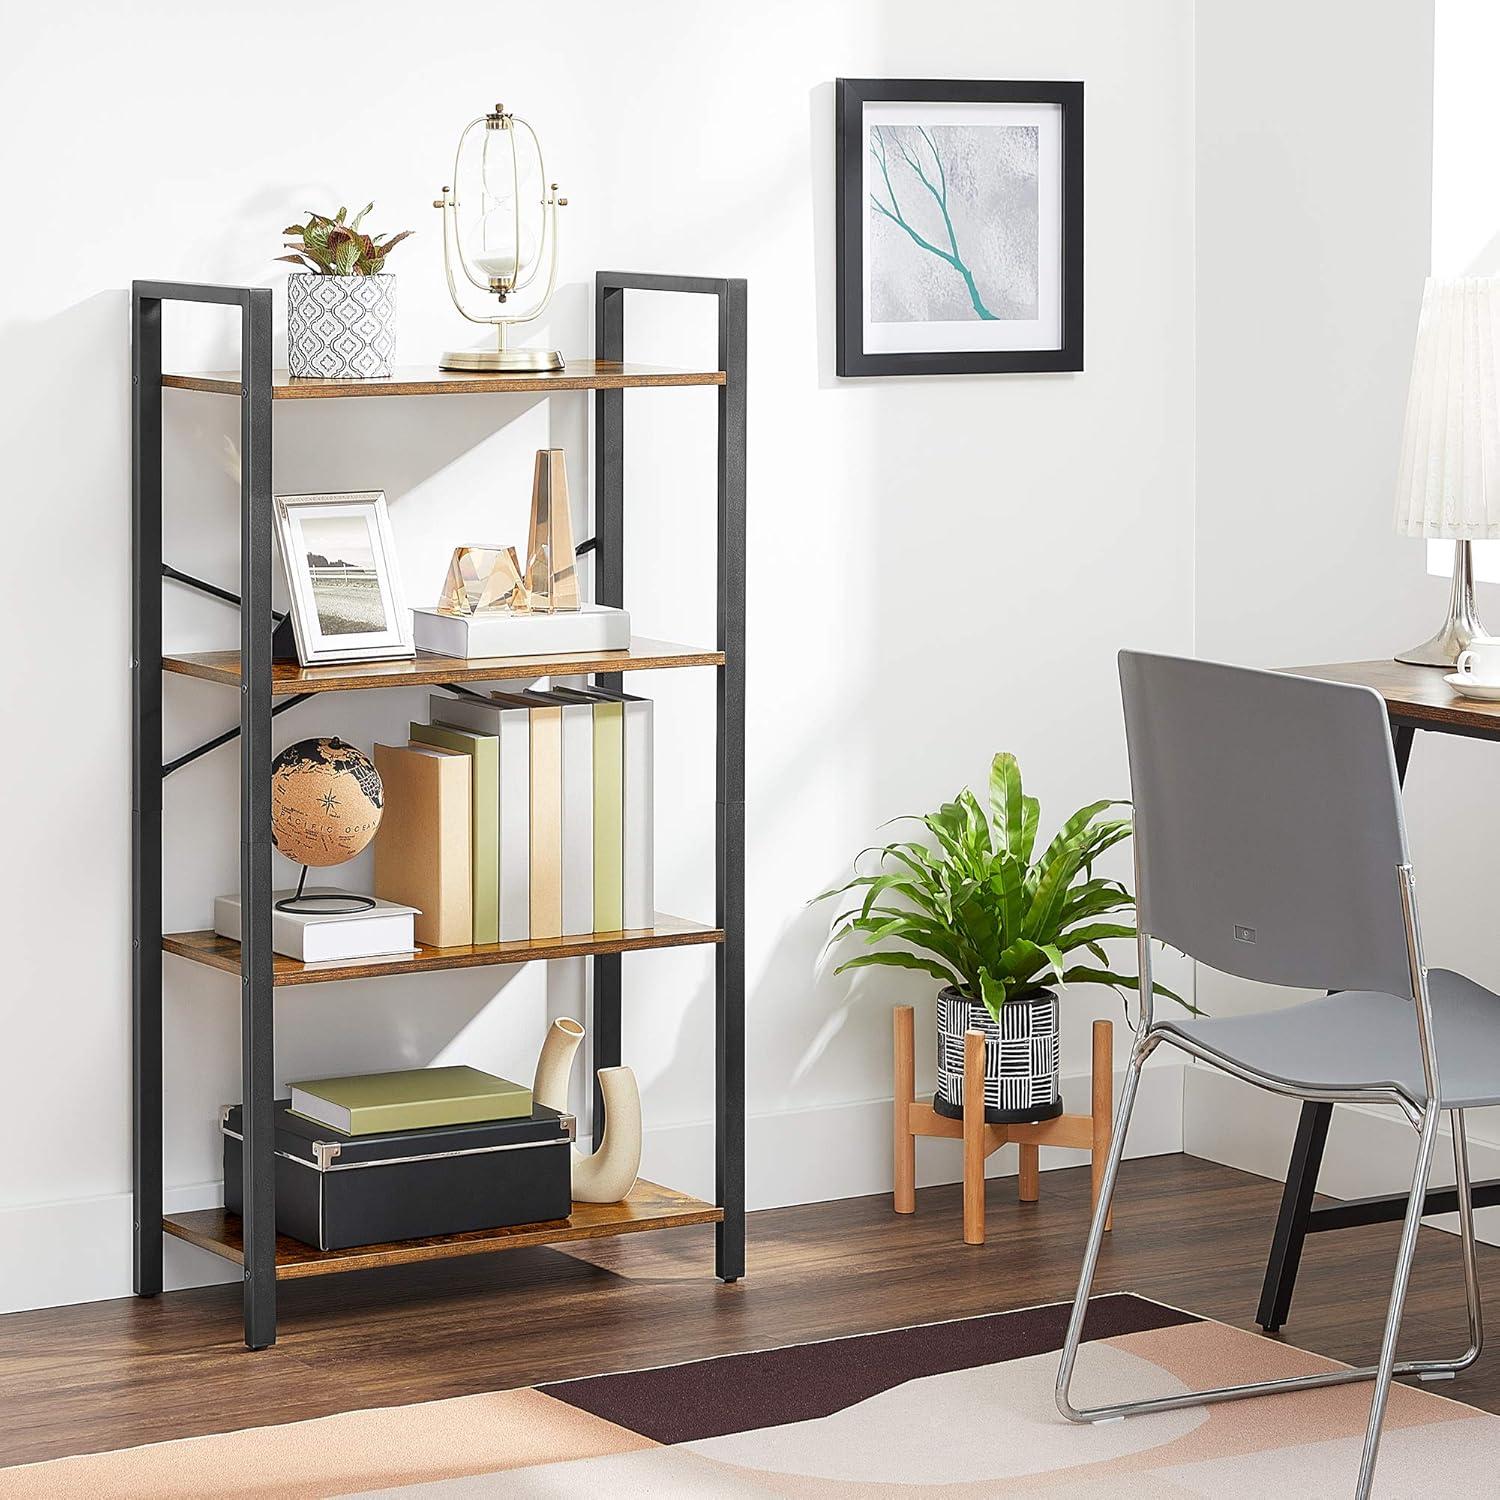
997,925
341,307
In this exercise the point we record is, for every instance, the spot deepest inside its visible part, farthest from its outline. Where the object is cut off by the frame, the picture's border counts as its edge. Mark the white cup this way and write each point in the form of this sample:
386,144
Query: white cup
1481,661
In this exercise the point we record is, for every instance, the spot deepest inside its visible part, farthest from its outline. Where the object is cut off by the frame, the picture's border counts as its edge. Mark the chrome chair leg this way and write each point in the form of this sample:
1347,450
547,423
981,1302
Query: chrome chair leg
1404,1256
1138,1055
1467,1237
1446,1369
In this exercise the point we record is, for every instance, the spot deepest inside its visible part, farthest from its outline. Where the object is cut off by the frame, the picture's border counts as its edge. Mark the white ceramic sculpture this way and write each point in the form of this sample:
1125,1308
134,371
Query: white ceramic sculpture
609,1173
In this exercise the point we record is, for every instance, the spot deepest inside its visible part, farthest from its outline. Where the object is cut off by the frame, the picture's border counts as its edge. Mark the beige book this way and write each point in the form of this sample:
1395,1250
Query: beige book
609,815
422,852
546,820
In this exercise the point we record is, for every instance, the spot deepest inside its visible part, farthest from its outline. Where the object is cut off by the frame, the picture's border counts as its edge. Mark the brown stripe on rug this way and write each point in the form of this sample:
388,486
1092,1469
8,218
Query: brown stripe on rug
732,1393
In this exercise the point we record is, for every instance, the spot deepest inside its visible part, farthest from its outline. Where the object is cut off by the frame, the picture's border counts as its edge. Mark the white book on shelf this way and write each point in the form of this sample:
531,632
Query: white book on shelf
506,716
577,814
591,627
639,811
382,931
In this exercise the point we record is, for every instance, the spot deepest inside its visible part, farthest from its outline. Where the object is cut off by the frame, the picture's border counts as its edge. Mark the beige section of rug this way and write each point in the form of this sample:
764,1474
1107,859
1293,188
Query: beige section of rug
357,1450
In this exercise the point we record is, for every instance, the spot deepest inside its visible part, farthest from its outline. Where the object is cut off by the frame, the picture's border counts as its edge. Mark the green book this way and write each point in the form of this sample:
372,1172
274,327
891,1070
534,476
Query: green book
609,816
483,751
415,1099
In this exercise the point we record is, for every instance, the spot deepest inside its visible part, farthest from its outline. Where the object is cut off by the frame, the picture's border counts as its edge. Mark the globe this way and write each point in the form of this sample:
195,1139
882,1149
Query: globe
326,801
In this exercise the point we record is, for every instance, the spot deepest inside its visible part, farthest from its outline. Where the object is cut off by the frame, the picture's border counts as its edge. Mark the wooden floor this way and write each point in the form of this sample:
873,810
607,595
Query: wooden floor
110,1374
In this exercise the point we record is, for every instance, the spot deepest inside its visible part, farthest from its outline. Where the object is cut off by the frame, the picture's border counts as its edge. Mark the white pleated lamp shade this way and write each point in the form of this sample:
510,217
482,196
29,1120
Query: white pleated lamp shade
1448,482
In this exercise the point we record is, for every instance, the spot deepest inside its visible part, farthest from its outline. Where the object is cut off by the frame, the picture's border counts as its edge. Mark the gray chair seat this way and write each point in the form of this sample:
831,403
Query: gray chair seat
1358,1038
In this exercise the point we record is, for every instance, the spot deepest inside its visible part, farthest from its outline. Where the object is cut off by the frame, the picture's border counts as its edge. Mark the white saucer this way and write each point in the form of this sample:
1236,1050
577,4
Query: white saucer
1466,685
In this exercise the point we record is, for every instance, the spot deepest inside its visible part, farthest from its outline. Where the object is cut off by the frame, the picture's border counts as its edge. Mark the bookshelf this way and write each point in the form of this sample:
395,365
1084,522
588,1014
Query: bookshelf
265,688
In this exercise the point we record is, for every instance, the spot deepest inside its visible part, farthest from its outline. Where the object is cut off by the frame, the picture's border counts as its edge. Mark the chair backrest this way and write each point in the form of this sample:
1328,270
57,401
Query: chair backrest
1268,826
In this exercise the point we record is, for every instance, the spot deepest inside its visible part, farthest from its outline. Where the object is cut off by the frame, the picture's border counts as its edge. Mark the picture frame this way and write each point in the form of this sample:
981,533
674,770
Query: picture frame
958,226
347,600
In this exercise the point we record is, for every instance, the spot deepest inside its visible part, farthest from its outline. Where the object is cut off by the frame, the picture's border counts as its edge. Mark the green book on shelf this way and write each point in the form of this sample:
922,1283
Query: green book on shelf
414,1099
483,751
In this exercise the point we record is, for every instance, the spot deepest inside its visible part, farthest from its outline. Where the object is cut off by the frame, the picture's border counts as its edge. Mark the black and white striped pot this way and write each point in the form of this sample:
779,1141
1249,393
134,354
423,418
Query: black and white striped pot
1021,1060
340,327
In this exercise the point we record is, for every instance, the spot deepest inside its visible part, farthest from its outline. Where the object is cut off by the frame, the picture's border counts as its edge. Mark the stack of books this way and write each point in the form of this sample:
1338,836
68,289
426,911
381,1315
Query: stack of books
411,1099
521,816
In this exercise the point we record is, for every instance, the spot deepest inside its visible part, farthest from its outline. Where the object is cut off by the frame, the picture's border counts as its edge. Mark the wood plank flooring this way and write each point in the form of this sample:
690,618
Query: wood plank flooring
110,1374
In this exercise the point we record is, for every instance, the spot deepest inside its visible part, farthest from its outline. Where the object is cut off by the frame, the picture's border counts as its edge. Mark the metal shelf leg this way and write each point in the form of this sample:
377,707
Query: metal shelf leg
258,1050
146,779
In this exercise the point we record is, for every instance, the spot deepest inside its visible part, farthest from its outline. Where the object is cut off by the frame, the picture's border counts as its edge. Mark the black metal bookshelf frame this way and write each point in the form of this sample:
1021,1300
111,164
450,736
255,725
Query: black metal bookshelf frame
257,708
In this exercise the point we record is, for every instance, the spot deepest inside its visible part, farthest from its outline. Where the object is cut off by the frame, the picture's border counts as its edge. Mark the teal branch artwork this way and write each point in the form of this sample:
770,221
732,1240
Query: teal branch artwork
939,192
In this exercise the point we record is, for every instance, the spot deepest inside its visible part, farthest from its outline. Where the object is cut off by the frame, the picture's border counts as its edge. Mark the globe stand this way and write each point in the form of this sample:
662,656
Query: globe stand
317,905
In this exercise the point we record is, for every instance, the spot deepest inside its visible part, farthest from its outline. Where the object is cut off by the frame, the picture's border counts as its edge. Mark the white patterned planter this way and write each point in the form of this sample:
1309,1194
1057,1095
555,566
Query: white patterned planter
1021,1059
340,327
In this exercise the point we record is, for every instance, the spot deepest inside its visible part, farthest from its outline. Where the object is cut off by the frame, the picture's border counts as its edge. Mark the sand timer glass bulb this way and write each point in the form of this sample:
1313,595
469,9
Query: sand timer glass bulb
503,255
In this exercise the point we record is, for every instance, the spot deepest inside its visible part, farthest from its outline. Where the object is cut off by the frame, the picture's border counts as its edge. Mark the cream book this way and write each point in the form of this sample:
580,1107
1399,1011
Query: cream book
483,751
507,716
544,804
577,817
422,855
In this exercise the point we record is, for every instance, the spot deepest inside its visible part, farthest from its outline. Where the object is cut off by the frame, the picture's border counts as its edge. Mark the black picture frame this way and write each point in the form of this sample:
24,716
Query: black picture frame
851,95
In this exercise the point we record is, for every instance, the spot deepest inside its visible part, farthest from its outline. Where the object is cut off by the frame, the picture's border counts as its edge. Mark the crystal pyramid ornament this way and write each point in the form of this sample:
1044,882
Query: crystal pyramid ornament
479,579
551,567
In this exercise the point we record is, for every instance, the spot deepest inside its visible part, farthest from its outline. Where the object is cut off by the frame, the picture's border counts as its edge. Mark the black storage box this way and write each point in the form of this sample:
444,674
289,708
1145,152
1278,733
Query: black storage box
336,1191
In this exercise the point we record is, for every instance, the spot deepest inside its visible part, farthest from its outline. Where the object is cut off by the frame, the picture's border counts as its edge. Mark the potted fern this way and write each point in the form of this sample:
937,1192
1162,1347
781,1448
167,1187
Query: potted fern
998,926
341,307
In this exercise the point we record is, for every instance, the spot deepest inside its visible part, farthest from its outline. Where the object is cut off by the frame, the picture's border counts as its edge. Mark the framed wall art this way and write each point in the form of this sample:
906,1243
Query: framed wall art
959,226
346,595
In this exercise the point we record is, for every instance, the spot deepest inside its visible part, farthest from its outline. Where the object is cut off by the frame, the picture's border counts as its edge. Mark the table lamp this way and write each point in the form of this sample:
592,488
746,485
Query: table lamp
1448,482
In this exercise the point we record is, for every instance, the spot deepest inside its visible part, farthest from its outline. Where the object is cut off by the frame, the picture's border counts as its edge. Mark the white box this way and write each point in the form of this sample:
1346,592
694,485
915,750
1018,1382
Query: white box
594,627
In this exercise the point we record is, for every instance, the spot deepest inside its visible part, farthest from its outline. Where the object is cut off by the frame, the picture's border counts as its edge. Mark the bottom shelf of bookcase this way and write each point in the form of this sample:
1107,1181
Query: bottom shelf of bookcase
649,1206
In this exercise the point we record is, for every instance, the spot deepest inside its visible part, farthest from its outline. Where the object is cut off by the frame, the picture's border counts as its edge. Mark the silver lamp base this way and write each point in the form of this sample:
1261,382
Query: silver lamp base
1462,626
503,361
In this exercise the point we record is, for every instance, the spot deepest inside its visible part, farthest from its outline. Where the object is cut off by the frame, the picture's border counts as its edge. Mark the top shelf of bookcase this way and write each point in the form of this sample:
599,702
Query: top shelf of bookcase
428,380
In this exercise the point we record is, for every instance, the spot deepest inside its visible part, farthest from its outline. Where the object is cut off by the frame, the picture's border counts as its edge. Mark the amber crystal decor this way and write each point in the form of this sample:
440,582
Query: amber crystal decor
479,579
551,565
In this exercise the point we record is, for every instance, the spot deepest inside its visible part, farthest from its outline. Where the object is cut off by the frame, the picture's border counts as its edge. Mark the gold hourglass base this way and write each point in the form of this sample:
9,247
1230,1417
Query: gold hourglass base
508,361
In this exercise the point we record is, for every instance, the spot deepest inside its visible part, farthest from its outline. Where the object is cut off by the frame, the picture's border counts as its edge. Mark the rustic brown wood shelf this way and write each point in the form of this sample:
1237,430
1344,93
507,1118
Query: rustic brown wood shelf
426,669
224,954
648,1206
428,380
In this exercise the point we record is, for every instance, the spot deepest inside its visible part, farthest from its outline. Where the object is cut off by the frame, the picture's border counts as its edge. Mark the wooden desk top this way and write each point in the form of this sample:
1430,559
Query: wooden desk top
1415,696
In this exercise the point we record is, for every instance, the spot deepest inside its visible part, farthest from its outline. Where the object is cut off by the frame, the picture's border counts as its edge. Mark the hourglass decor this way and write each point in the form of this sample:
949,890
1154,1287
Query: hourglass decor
500,233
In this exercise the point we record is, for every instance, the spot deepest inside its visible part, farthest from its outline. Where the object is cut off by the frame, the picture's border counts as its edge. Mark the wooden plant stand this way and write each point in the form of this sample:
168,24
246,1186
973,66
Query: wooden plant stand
912,1117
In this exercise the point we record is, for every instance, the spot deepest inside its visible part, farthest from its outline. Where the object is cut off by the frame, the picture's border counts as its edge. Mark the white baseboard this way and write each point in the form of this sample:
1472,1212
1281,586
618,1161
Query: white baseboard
1369,1151
79,1251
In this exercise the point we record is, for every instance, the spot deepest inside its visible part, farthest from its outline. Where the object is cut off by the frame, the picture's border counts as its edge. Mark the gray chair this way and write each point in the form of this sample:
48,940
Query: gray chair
1269,844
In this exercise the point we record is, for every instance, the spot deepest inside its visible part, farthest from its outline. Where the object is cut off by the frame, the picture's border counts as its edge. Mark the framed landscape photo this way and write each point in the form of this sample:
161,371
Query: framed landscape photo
959,229
346,595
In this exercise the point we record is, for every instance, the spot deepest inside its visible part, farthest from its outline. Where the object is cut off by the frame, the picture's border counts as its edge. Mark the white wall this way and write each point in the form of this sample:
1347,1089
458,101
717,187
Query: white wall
1324,194
938,568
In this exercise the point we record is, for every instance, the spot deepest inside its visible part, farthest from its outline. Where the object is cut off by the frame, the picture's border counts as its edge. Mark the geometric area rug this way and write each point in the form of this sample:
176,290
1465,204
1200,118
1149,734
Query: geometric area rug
944,1411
